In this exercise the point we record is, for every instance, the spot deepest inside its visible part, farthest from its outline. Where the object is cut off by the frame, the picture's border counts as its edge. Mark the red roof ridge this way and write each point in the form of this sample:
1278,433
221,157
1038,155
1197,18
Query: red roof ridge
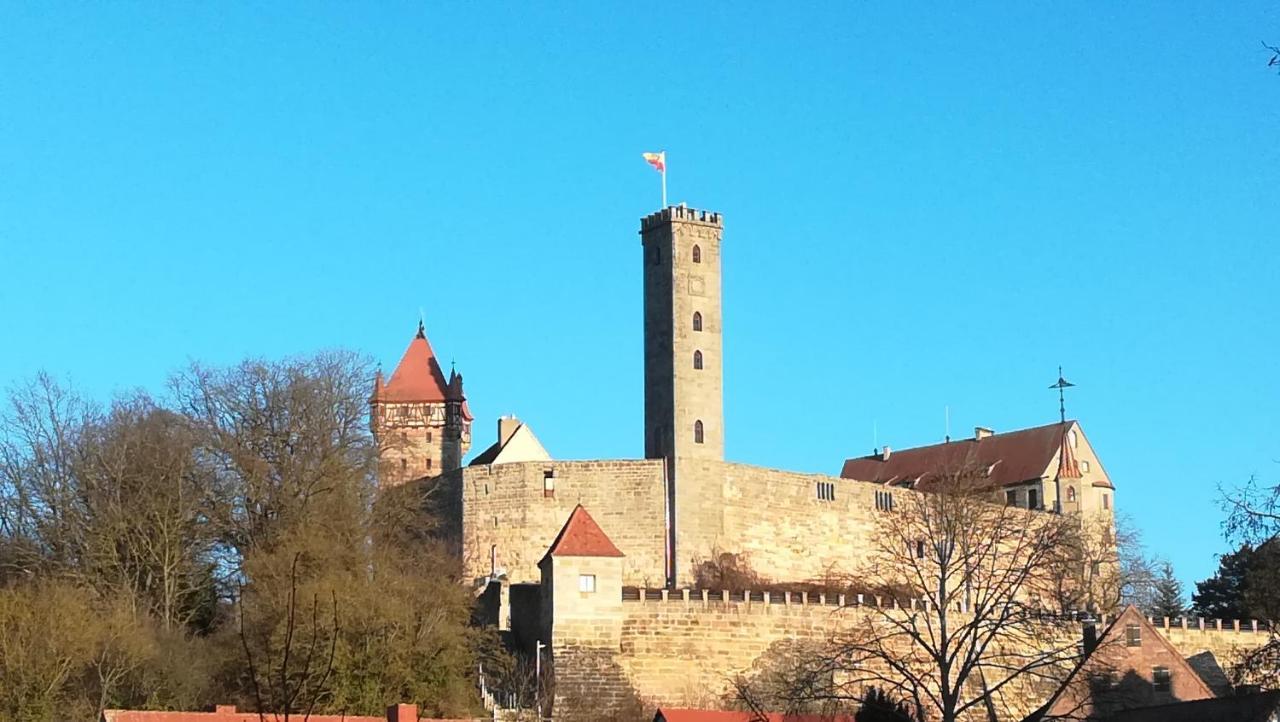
581,536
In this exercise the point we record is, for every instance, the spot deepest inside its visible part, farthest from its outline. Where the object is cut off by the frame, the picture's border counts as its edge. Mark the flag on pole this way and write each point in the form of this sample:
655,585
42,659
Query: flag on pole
659,162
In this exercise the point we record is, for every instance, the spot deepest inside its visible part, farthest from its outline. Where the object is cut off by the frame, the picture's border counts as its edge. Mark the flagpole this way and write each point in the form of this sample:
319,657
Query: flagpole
664,180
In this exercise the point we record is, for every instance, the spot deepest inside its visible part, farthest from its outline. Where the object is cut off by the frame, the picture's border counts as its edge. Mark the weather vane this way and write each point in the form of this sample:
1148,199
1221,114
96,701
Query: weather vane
1061,386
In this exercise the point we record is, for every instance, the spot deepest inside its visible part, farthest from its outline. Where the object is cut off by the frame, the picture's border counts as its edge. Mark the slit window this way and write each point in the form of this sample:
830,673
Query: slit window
697,360
919,548
697,432
697,254
697,321
549,483
1106,501
428,464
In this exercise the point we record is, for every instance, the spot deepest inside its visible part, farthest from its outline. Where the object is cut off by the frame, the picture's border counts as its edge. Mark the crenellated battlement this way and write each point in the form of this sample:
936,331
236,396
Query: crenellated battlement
681,214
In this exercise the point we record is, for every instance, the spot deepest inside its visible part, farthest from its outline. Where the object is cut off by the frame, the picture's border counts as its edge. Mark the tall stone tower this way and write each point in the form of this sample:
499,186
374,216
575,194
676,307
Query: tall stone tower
683,377
410,417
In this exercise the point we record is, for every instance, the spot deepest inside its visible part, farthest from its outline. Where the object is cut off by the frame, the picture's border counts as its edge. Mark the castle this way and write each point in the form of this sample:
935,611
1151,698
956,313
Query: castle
597,557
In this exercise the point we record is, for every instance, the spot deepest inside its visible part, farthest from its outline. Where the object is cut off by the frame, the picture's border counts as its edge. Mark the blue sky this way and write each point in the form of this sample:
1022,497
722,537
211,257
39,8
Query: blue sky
925,208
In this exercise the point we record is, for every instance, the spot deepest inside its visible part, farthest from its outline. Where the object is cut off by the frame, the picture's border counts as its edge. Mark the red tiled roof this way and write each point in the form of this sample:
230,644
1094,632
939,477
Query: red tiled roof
702,715
417,377
1009,458
582,537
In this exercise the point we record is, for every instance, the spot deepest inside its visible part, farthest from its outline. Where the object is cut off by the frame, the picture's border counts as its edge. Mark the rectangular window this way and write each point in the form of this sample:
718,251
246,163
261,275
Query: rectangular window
549,483
428,464
428,437
920,549
826,491
1106,501
1084,466
1033,498
586,583
1133,636
1011,497
1161,678
884,501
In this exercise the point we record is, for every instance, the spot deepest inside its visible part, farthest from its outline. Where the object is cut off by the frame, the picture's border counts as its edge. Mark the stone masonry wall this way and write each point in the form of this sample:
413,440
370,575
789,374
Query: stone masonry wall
504,506
679,649
777,519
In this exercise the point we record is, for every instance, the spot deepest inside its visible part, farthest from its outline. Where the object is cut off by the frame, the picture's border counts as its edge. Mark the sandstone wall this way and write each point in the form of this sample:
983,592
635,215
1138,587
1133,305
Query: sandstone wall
778,520
506,511
1226,639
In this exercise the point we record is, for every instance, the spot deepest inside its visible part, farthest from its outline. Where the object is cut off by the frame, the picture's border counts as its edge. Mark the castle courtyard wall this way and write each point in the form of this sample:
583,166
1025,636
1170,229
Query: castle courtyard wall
508,513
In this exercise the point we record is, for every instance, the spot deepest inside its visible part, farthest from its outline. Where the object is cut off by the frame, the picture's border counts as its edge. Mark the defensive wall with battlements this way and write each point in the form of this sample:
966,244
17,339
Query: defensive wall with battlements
684,647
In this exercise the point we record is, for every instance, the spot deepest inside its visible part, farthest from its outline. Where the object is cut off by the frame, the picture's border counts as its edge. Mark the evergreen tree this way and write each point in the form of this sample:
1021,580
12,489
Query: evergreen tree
1168,600
1222,596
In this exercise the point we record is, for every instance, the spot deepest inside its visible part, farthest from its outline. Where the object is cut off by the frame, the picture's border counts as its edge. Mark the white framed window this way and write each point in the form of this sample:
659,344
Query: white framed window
1084,466
587,583
1075,440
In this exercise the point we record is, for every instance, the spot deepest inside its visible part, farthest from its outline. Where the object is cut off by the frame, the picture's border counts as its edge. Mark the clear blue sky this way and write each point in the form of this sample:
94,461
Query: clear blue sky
925,208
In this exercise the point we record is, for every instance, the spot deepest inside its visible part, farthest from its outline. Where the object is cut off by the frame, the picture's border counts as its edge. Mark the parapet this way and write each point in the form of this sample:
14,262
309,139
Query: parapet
681,214
1202,624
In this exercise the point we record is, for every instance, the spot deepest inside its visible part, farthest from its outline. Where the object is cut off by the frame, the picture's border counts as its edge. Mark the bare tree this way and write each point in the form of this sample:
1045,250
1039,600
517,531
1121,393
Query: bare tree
981,633
288,675
1253,516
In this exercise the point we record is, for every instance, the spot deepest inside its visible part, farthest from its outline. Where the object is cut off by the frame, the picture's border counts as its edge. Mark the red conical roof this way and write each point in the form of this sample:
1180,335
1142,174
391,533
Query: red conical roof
417,377
1068,467
582,537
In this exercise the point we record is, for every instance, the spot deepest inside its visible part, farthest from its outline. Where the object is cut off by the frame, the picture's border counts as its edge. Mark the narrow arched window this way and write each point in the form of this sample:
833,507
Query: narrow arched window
697,321
697,360
697,254
1071,493
697,432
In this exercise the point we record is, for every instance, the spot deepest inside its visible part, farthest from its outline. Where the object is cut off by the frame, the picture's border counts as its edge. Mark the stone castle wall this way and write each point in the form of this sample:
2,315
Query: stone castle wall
509,516
684,648
778,520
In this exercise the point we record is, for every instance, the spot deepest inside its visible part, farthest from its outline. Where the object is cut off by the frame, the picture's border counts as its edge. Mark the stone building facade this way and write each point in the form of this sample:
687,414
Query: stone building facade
683,503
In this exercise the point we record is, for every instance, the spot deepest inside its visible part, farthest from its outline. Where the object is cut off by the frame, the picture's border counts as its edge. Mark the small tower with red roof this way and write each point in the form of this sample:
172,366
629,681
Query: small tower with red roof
582,586
410,416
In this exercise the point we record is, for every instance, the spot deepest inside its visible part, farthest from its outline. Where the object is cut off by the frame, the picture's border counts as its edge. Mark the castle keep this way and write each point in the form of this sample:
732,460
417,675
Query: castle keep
595,558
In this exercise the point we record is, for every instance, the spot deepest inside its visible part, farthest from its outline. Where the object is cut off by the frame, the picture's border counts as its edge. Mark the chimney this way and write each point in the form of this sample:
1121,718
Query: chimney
402,713
982,432
1090,637
507,426
884,453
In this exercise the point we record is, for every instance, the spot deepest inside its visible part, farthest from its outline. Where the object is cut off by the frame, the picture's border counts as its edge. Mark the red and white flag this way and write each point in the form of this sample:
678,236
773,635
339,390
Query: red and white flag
657,160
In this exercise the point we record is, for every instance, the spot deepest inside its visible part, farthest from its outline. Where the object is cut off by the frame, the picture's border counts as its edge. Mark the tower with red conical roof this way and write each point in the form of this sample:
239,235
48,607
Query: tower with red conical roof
410,416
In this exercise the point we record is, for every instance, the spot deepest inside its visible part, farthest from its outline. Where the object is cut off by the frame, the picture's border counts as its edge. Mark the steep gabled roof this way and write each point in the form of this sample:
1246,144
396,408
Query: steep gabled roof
581,536
418,377
522,445
1111,654
1009,458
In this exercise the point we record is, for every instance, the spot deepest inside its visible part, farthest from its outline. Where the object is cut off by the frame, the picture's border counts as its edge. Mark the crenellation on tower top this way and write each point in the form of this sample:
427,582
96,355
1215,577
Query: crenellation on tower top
683,214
